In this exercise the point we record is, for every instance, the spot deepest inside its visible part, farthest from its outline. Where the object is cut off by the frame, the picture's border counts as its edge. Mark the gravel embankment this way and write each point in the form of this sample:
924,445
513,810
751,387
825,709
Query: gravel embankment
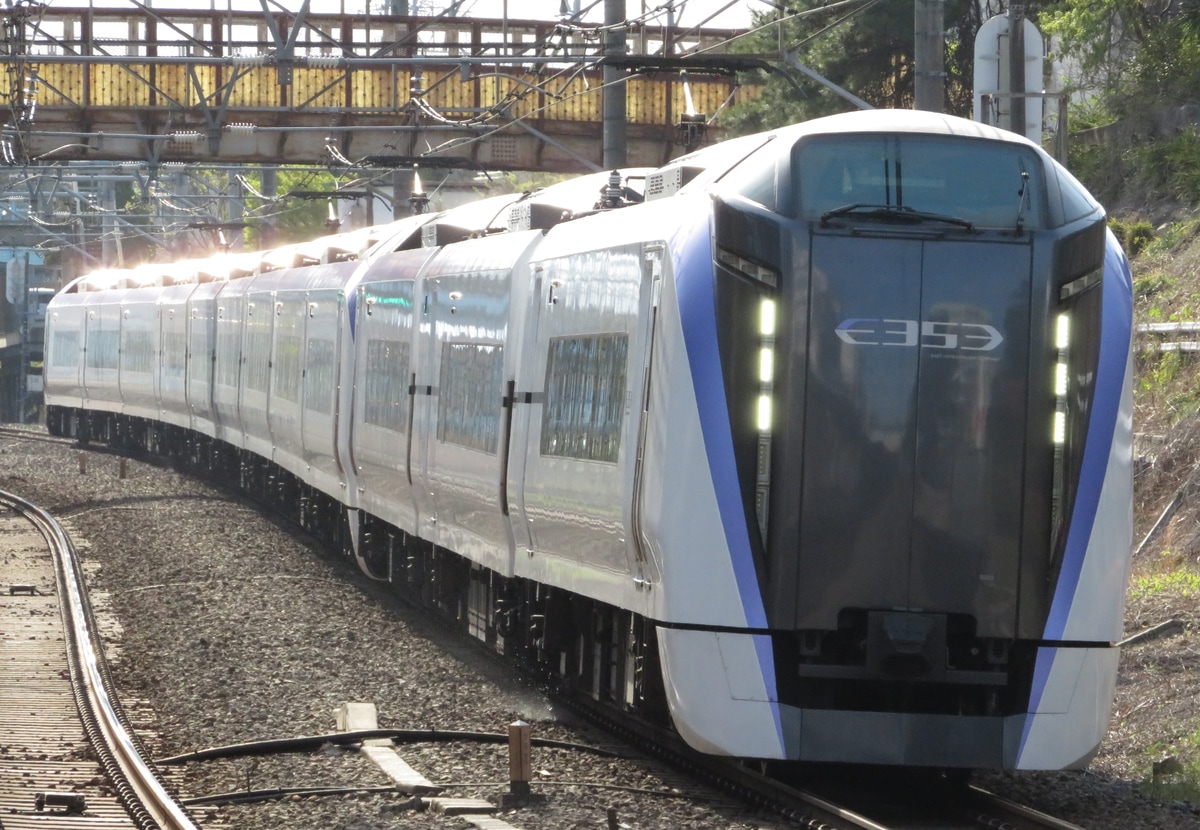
236,628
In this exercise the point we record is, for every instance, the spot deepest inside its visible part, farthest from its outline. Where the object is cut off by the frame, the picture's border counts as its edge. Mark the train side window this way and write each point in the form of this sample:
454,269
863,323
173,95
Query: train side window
286,368
585,397
201,358
470,393
1076,201
139,351
386,383
102,349
318,376
65,349
257,356
763,177
174,354
229,356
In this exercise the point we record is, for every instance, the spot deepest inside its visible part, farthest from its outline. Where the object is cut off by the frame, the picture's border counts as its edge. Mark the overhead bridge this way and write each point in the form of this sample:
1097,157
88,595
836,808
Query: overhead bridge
147,85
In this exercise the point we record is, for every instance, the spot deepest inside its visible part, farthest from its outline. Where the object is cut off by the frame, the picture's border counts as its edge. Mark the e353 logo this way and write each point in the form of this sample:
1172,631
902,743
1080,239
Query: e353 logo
925,334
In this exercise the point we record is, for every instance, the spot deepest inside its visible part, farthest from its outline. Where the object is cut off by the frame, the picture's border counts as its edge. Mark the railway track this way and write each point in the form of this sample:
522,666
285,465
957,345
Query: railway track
914,800
835,797
33,433
814,805
51,653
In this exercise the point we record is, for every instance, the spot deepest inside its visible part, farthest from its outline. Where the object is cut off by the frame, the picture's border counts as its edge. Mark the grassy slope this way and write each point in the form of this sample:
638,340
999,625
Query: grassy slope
1156,725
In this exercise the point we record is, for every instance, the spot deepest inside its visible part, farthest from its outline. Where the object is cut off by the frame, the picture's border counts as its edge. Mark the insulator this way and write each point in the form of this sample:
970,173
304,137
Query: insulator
614,191
187,137
246,61
323,61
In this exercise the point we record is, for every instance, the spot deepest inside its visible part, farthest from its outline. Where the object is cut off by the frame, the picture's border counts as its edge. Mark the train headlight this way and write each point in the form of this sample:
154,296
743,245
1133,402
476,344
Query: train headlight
1062,335
1062,340
1060,380
764,413
766,364
766,318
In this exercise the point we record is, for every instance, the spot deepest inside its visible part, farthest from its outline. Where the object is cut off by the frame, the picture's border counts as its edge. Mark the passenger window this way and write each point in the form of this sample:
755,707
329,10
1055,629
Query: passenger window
585,397
470,393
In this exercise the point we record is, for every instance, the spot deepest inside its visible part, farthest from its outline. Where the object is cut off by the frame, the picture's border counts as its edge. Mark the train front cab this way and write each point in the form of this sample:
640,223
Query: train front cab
932,448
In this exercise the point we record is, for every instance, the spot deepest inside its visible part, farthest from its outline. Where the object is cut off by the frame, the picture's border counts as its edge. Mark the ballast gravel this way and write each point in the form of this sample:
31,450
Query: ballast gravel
233,626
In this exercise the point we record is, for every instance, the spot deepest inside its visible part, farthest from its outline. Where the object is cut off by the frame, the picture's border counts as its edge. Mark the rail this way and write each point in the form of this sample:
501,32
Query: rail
146,800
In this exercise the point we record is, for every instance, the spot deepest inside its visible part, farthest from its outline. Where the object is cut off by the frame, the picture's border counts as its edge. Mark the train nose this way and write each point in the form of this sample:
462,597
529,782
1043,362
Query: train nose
906,645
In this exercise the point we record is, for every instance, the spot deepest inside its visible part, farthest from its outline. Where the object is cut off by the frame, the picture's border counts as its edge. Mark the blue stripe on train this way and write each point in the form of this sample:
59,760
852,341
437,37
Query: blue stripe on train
691,247
1116,331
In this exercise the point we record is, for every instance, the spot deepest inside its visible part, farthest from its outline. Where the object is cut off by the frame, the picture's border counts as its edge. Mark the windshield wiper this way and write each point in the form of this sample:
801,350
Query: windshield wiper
893,213
1022,196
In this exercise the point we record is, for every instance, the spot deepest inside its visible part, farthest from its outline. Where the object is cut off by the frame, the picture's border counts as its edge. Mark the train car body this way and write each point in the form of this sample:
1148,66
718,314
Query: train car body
815,443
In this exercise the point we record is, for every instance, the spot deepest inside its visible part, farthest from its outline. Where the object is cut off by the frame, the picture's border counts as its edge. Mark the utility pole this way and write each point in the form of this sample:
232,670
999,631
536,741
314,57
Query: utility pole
1016,67
613,95
929,84
236,238
270,190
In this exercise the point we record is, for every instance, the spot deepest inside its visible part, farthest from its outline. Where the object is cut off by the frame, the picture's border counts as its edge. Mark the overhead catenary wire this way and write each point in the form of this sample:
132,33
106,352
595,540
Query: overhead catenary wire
550,71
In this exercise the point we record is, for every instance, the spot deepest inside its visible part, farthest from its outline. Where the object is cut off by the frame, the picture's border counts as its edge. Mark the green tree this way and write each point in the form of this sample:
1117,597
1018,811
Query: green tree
294,218
1141,63
867,50
1102,37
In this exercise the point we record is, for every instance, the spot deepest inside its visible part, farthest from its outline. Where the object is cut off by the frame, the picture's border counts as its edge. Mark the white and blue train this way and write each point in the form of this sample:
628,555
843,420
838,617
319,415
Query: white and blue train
814,443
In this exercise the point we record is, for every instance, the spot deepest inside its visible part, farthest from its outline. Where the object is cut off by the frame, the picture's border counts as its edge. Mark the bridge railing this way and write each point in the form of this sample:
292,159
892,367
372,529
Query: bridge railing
146,74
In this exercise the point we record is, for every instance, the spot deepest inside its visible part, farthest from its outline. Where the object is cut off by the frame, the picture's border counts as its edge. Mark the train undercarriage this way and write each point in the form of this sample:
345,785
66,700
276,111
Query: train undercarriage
574,643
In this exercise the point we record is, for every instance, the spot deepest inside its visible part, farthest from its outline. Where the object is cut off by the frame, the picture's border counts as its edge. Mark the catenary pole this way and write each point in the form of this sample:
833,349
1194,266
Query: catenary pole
613,104
929,55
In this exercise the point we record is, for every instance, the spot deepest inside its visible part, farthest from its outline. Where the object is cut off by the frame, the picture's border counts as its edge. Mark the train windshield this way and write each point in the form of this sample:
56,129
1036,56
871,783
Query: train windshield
918,179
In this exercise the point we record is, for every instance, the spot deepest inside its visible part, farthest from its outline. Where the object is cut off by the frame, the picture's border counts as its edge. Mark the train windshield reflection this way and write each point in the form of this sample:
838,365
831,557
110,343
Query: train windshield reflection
985,184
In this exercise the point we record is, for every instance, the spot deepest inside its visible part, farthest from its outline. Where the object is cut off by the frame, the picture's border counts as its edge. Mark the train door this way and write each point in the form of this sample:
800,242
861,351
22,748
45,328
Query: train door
585,375
422,453
527,388
289,313
253,398
916,367
102,348
381,436
64,359
652,278
228,365
140,328
171,385
462,463
323,315
201,356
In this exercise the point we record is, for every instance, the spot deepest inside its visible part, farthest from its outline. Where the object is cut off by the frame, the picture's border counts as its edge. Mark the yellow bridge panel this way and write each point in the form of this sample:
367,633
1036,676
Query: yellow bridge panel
255,87
374,90
575,98
60,85
578,100
175,84
709,96
116,85
450,94
319,88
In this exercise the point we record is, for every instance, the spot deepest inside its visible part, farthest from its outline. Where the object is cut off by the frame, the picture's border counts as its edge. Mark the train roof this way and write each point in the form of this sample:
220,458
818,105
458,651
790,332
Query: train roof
539,209
225,266
703,167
